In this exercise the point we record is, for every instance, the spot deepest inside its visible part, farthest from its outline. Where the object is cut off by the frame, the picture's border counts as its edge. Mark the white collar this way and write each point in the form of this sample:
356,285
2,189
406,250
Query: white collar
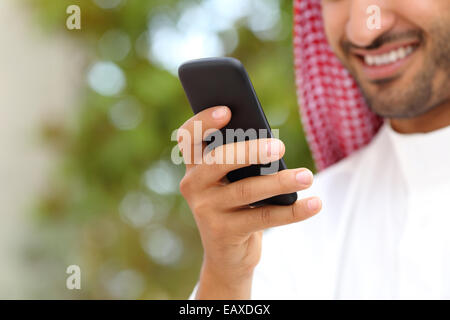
424,158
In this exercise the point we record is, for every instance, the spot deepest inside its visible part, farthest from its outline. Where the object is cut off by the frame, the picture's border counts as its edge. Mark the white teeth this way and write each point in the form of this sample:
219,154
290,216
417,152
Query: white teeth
401,53
392,56
389,57
369,60
378,60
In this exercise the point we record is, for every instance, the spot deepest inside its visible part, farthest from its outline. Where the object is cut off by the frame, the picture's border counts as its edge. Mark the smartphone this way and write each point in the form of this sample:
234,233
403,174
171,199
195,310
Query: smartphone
224,82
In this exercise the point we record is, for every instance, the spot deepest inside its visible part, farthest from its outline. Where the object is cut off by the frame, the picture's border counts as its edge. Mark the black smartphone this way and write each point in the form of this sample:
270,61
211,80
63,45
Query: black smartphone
224,82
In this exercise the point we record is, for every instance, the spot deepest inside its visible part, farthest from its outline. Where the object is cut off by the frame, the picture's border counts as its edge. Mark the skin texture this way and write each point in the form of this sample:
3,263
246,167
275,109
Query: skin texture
417,98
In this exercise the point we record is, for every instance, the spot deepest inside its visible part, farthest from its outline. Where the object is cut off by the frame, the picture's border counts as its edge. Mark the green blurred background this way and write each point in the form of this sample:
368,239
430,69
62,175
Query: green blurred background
112,204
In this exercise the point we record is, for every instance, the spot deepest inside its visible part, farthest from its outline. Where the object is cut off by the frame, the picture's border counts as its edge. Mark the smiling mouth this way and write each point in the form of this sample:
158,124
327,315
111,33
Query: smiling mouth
386,63
388,58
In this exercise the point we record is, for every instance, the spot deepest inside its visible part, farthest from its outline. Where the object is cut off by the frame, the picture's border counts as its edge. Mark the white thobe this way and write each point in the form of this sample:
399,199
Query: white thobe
383,232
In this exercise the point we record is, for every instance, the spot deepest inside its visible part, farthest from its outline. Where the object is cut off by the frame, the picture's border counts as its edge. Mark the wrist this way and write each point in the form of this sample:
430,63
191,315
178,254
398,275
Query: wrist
217,283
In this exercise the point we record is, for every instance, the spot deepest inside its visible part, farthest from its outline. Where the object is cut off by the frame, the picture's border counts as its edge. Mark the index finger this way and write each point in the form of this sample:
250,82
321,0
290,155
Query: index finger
211,118
192,132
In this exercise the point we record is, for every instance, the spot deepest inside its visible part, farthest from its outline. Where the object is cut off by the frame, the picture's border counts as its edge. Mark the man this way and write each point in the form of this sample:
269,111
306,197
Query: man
384,229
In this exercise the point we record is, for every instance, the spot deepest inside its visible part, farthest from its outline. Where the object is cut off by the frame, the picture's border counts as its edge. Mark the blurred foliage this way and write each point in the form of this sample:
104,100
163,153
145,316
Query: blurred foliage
113,205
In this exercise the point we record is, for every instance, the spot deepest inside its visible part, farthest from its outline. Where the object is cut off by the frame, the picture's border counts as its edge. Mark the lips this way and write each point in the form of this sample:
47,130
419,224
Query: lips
386,62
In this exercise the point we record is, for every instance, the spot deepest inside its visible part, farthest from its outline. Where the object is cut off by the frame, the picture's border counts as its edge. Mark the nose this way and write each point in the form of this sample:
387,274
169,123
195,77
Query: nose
357,30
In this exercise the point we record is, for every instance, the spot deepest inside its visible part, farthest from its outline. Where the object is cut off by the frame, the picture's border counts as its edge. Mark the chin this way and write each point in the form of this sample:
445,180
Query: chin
406,95
398,101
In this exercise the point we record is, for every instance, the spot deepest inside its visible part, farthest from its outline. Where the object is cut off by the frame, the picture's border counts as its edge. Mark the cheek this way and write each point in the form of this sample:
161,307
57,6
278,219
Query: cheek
419,10
423,14
334,15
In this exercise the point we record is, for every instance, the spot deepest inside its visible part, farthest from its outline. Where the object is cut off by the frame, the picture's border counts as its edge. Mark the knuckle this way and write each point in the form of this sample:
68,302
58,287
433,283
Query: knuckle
183,128
252,151
281,180
185,186
180,135
296,213
200,207
266,215
243,191
213,157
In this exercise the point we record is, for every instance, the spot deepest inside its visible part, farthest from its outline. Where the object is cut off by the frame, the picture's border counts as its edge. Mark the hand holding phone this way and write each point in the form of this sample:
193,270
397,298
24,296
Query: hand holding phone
231,232
224,81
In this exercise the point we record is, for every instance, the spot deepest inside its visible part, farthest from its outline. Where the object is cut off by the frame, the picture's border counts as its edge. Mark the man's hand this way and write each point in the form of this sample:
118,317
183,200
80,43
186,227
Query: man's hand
230,230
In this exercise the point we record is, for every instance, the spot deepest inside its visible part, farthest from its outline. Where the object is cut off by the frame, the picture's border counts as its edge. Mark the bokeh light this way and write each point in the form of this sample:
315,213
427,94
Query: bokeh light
108,4
197,33
125,284
163,246
162,178
126,114
106,78
136,209
114,45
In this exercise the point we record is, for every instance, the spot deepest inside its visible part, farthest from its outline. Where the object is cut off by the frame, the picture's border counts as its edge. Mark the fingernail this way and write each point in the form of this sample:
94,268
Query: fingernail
304,177
219,113
273,148
314,204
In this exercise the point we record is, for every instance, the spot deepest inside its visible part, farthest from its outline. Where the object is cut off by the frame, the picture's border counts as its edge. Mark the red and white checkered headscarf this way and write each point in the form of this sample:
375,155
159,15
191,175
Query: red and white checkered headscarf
334,114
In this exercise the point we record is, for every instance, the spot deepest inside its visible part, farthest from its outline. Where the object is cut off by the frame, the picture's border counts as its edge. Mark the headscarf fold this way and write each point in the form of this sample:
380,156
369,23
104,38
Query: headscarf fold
335,117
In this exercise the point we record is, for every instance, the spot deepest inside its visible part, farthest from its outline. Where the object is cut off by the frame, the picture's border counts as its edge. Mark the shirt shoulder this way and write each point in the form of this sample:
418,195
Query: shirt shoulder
298,260
334,184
